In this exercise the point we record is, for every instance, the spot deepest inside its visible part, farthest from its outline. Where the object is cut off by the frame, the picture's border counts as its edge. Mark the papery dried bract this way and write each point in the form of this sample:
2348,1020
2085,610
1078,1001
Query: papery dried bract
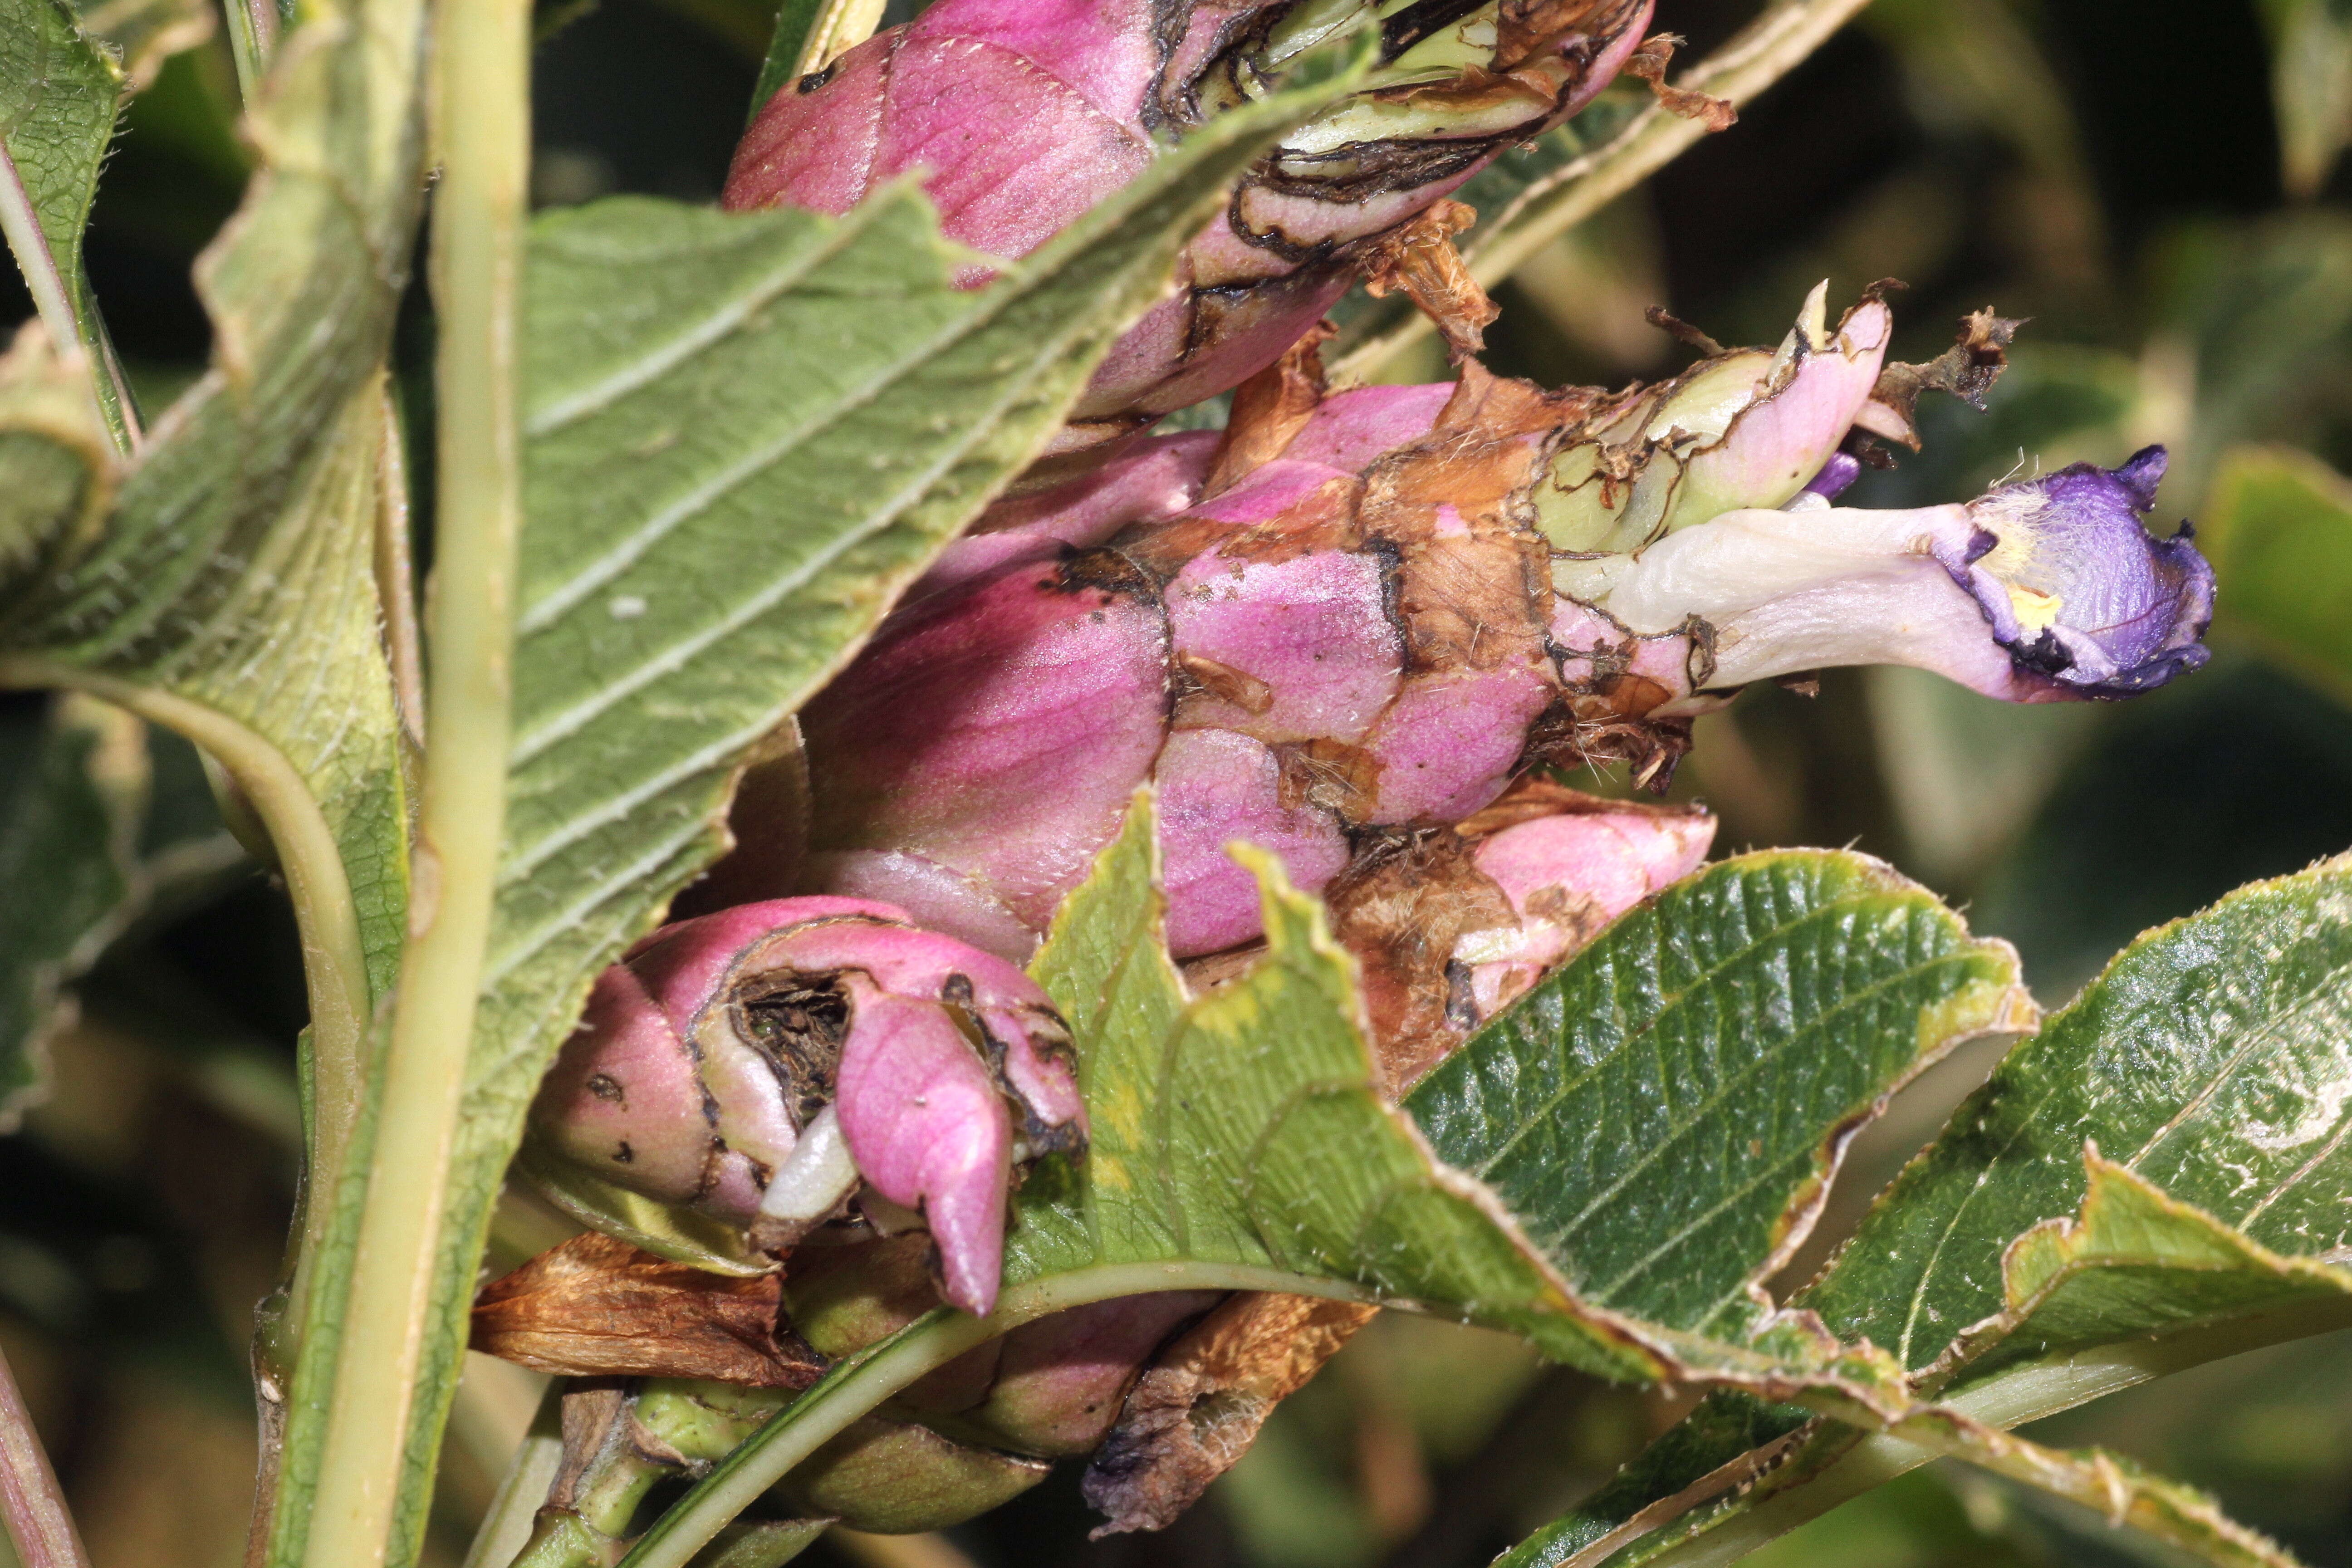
1450,926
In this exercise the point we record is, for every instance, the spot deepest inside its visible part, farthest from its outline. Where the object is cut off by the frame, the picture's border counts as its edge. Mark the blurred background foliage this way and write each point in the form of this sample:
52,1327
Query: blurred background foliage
2159,186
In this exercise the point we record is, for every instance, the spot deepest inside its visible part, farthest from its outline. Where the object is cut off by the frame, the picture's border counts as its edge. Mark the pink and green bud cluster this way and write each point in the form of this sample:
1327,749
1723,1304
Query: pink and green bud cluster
1021,116
1426,593
1746,428
762,1066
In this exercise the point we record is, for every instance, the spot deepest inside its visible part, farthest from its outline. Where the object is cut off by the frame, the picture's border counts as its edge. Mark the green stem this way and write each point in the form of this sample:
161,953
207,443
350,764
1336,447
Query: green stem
506,1527
865,1380
1767,50
52,291
252,38
481,104
334,961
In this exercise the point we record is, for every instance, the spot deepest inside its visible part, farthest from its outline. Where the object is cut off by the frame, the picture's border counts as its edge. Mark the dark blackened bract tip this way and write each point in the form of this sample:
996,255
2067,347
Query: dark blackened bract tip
2141,472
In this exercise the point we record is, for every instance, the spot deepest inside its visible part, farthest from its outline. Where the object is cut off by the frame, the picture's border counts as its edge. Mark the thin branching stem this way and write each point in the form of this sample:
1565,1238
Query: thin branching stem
334,959
30,1501
481,98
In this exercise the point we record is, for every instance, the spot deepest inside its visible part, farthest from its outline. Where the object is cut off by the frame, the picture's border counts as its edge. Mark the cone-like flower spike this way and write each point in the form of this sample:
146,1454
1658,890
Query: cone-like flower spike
2046,590
1405,598
757,1064
1023,113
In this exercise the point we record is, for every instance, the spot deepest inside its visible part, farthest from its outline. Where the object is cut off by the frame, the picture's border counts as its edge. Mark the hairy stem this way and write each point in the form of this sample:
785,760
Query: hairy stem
864,1381
30,1502
481,60
1764,52
51,289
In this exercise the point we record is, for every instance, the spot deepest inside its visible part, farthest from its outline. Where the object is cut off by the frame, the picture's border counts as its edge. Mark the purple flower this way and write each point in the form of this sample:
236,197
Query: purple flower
757,1064
2076,590
2046,590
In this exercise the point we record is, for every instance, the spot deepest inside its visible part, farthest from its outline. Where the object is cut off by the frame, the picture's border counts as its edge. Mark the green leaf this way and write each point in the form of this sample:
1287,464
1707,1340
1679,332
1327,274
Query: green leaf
1589,1172
76,825
2278,528
2213,1059
2212,1062
2135,1261
1243,1127
235,577
56,459
1663,1114
2311,88
59,94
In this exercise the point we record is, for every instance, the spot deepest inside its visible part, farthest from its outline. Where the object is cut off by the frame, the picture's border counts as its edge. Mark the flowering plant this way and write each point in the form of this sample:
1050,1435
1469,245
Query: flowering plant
993,825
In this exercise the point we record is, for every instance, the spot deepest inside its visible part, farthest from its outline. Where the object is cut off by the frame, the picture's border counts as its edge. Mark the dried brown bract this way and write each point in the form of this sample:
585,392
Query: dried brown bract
596,1306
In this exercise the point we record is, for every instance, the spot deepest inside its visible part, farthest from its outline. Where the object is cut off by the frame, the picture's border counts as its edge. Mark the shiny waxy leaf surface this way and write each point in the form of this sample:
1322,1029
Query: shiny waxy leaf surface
2163,1165
2213,1060
1662,1114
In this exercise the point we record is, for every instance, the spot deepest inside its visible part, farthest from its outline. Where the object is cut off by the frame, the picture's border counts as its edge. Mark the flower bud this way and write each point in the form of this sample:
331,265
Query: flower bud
1452,926
1023,113
1746,427
756,1066
2045,590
